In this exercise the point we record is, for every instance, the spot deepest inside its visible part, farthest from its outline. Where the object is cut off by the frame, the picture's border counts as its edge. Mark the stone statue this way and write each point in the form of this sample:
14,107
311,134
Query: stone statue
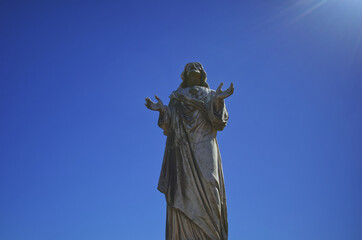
191,175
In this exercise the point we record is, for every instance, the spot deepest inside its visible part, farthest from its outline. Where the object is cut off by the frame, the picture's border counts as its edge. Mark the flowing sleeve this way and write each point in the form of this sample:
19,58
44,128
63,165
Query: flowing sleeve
164,120
219,117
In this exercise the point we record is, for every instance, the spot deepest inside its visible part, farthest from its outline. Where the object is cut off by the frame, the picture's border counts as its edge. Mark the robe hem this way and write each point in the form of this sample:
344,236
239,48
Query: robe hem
184,214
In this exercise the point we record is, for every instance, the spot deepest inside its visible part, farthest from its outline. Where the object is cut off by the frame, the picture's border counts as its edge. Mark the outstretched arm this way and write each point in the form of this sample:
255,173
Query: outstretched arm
164,118
221,95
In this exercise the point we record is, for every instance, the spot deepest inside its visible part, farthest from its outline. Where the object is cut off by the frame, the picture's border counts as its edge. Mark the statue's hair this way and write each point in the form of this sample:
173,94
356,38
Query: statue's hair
203,77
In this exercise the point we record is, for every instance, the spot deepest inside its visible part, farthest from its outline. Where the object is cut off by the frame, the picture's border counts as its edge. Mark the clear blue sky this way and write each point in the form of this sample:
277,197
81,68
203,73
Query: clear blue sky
80,155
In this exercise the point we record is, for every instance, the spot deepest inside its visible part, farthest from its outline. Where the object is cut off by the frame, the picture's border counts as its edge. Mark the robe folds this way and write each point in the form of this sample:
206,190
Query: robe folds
191,175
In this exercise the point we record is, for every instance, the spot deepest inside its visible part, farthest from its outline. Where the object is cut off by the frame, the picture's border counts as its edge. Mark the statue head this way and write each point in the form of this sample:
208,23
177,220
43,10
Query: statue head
193,75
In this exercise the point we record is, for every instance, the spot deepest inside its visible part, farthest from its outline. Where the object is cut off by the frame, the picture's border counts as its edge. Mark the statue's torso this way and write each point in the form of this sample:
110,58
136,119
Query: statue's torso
192,105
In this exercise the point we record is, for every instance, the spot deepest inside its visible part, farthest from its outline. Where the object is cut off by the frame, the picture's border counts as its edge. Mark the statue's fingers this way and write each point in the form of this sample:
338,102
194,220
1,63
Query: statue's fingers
231,88
158,99
147,106
219,88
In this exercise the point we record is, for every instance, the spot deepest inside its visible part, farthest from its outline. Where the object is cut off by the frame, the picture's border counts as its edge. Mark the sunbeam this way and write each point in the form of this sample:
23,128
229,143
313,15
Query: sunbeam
309,9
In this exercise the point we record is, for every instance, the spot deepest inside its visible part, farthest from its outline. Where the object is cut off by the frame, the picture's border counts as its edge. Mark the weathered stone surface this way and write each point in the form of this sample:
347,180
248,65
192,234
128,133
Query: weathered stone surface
191,175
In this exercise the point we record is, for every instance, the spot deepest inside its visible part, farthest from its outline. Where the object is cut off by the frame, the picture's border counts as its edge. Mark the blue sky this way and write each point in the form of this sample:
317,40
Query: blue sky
80,155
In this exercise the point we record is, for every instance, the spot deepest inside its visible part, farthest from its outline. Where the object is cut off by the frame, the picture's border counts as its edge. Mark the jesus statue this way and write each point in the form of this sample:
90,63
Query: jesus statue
191,176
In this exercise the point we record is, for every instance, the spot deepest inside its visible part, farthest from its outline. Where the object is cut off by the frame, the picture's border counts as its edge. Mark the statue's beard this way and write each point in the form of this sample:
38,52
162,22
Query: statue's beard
193,78
194,74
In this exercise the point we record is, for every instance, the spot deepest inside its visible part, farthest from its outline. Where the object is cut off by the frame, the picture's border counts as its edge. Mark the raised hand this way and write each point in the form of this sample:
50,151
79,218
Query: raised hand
220,95
155,106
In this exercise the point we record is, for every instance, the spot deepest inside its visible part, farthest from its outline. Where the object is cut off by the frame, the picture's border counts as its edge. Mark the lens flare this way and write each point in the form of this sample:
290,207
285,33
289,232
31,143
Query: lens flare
310,9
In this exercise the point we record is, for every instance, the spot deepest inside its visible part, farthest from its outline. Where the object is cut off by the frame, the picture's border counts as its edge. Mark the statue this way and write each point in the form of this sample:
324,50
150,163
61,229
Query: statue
191,175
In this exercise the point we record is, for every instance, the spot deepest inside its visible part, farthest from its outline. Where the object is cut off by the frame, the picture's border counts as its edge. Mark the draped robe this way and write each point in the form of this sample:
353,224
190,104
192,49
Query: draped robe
191,175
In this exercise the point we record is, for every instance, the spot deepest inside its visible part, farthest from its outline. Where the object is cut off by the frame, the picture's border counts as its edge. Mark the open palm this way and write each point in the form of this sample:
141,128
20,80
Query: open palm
220,95
154,106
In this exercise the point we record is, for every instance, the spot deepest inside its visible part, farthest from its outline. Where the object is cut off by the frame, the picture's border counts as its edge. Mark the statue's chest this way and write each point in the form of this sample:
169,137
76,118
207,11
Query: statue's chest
197,94
190,112
192,103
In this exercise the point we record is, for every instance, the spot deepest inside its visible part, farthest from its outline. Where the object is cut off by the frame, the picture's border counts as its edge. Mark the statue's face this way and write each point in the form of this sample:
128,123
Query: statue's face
192,67
193,74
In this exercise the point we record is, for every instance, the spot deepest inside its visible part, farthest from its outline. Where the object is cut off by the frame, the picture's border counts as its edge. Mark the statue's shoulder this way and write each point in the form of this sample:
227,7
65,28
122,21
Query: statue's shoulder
175,93
206,91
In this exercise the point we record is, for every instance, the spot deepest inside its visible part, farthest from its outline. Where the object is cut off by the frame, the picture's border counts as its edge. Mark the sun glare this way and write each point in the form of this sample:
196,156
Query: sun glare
309,8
